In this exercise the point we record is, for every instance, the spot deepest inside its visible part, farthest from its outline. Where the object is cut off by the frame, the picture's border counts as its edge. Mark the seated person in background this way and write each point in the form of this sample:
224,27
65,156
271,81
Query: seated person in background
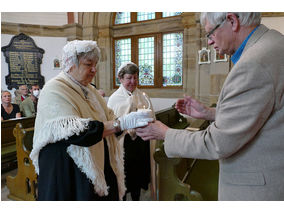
8,110
128,98
29,105
21,94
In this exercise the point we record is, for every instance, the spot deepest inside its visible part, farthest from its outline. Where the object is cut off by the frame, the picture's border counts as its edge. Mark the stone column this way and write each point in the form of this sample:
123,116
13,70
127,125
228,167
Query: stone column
191,37
90,28
73,31
105,76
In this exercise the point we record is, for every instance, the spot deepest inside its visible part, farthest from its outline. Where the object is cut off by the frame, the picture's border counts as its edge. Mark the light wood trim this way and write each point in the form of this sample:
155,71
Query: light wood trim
272,14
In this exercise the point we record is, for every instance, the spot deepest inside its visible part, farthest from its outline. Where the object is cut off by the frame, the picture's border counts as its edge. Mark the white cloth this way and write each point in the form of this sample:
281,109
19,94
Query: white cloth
135,119
73,48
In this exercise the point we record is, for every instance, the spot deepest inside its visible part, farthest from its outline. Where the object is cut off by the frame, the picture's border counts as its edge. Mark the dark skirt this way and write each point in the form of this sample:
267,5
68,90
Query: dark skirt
136,163
61,179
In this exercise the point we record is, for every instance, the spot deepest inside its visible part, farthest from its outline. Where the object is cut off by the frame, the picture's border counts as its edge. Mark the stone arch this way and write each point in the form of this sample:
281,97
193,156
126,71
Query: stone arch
97,26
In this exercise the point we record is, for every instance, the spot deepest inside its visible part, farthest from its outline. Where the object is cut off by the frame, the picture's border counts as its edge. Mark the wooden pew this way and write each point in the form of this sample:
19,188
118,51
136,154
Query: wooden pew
201,175
24,185
180,178
169,186
8,142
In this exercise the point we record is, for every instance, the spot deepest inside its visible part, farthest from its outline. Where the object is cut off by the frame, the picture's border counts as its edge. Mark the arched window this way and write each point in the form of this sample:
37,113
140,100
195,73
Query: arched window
122,18
158,54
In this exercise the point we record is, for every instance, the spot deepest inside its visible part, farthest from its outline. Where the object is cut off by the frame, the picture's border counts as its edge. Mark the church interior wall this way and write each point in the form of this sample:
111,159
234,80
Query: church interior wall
276,23
51,32
52,47
40,18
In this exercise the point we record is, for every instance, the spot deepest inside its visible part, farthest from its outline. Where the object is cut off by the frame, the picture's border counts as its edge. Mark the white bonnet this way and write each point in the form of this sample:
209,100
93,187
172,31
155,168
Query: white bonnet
73,48
123,66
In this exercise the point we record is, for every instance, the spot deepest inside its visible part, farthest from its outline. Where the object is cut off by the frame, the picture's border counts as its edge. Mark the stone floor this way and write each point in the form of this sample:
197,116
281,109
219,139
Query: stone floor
4,189
145,195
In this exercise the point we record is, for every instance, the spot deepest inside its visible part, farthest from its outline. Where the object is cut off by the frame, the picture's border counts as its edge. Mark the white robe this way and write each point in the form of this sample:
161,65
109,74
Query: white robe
123,102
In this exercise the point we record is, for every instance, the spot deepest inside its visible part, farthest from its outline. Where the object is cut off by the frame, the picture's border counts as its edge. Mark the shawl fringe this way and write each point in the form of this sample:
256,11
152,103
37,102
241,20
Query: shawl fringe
62,128
83,159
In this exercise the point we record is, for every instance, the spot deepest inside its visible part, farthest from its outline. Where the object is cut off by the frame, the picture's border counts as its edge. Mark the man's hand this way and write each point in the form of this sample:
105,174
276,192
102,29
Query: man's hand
195,109
153,131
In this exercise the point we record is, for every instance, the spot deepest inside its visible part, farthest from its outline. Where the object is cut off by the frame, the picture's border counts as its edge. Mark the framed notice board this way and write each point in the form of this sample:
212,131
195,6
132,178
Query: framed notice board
24,59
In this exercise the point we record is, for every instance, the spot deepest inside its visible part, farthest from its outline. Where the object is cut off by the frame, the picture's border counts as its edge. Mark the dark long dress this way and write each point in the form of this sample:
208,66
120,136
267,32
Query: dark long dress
7,116
61,179
136,165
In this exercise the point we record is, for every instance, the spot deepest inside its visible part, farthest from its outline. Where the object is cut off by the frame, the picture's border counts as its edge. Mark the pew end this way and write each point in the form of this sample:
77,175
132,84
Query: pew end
170,187
24,185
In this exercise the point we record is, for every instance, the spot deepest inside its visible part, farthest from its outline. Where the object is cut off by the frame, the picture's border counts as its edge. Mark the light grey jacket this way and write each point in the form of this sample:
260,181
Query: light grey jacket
247,135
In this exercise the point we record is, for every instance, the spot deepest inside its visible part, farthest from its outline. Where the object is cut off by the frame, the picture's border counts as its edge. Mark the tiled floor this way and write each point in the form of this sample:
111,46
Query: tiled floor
145,195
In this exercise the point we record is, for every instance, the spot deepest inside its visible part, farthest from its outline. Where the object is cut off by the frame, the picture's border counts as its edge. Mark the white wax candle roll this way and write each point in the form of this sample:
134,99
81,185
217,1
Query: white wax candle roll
148,111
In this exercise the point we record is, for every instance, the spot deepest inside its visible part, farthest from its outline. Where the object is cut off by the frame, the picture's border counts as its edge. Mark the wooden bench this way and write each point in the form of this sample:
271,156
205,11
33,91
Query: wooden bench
183,178
24,185
8,142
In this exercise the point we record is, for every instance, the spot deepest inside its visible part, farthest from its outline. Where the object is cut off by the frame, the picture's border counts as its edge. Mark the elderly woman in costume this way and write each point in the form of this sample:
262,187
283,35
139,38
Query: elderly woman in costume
75,150
128,98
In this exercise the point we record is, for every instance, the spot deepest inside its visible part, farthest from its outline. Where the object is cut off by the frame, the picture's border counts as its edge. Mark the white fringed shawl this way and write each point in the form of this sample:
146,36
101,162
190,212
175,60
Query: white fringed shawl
63,111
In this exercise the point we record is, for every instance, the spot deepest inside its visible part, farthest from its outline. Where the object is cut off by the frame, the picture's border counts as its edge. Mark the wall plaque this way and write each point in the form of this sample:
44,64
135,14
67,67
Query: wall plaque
24,59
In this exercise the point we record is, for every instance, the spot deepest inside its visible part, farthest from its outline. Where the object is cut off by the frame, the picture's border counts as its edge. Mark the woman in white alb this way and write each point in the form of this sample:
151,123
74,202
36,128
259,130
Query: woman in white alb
128,98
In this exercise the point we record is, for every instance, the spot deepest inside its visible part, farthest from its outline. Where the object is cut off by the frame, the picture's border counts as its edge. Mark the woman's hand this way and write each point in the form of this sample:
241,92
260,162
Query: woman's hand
134,120
18,115
195,109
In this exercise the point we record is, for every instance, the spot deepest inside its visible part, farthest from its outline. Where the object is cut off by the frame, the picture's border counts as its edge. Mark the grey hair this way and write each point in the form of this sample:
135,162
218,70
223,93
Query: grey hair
91,55
22,85
246,19
128,68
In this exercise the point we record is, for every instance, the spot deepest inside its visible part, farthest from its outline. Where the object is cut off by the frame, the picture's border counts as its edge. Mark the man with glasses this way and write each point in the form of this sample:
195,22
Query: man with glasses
246,133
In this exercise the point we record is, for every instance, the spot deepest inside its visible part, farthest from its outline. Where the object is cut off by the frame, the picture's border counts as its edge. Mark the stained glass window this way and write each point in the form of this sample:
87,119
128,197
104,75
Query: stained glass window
168,14
159,55
122,54
142,16
172,59
146,61
122,18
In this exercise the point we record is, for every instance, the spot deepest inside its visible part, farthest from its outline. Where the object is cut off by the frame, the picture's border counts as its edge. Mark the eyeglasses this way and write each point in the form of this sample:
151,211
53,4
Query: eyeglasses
208,35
